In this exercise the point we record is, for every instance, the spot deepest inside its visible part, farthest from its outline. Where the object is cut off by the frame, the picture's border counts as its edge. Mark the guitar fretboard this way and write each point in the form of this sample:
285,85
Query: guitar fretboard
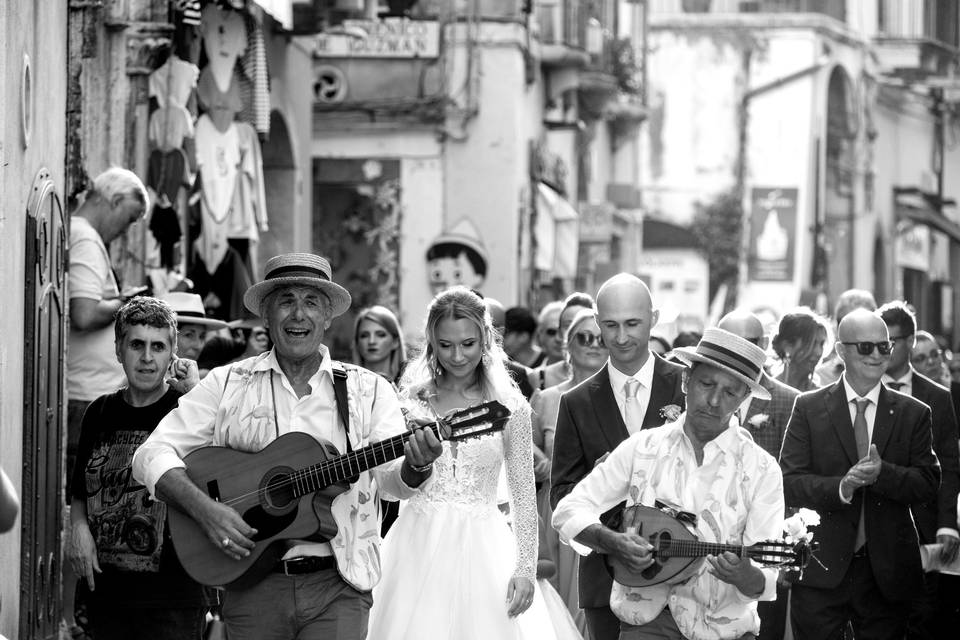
696,549
323,474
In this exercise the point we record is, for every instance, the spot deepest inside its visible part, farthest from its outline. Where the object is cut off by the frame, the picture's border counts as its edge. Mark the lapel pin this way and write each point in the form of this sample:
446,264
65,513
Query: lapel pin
891,411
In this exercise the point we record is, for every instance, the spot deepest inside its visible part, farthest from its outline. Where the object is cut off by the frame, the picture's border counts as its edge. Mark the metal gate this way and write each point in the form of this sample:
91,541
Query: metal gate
43,411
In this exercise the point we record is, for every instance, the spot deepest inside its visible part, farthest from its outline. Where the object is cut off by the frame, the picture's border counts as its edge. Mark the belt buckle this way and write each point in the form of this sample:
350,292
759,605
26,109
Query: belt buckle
286,570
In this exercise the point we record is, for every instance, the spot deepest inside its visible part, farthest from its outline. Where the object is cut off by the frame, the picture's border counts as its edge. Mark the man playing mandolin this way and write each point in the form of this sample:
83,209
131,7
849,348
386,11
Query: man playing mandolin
707,468
314,586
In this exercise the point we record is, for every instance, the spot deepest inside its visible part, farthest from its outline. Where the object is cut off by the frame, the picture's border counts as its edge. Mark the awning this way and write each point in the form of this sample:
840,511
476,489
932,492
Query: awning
557,232
931,219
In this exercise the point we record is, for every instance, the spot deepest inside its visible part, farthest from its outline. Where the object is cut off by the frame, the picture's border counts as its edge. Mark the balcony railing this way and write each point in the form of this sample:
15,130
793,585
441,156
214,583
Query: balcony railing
919,19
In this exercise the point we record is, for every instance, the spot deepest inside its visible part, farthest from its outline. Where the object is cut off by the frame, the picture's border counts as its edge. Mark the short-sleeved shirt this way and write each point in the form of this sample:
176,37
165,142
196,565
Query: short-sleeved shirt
92,366
139,564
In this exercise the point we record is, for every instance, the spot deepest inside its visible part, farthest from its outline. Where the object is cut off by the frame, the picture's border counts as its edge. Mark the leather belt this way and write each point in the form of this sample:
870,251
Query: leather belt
309,564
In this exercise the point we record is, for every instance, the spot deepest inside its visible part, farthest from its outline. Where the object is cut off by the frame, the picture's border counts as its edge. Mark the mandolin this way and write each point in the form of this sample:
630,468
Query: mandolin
286,491
678,552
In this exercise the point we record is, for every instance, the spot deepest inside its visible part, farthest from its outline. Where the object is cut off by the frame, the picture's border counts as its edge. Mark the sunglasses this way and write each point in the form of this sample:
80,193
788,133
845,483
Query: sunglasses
866,348
587,339
923,357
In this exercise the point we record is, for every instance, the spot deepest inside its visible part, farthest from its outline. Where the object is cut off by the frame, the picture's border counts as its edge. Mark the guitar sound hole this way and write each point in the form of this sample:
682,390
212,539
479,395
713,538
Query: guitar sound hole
279,492
267,525
661,545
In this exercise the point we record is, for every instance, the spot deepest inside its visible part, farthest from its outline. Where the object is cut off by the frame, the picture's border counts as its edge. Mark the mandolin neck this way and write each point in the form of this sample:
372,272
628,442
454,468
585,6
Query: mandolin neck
697,549
329,472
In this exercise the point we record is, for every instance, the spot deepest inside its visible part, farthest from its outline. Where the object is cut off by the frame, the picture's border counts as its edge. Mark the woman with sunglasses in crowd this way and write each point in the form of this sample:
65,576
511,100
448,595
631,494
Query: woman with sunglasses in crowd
799,345
586,354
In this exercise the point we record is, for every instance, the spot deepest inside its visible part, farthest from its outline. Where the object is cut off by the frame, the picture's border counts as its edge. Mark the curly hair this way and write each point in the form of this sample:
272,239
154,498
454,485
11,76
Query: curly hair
144,310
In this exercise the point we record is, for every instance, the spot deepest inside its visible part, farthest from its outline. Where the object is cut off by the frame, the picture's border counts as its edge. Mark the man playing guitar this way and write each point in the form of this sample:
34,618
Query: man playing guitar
710,469
318,588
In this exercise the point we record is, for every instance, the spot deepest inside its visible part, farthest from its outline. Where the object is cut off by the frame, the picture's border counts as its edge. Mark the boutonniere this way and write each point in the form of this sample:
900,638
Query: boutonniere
758,421
670,412
795,527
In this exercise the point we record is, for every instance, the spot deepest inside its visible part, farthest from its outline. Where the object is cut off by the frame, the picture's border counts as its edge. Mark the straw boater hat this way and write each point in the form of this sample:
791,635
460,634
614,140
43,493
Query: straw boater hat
189,310
305,269
730,353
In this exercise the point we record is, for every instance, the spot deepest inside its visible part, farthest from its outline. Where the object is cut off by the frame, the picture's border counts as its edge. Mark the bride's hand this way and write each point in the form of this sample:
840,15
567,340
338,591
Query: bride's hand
519,596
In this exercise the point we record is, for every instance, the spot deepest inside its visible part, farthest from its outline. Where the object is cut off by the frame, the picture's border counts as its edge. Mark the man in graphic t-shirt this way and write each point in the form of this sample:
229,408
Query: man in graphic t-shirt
134,585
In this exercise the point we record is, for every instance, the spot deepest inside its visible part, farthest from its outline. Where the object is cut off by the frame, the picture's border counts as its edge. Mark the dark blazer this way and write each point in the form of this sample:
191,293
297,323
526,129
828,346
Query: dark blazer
589,425
769,433
819,448
930,516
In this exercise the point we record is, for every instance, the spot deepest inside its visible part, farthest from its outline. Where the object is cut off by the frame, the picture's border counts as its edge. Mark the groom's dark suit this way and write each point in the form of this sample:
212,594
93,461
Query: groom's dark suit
818,450
589,425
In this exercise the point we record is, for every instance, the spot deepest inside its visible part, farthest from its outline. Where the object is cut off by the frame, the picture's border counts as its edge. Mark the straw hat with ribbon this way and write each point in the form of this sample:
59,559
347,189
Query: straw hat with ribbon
729,353
304,269
189,310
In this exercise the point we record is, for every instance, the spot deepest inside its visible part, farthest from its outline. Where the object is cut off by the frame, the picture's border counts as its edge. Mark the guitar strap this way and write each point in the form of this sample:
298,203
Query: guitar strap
340,394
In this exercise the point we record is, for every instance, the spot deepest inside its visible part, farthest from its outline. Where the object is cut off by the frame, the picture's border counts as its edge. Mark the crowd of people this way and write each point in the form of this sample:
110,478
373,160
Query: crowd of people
538,528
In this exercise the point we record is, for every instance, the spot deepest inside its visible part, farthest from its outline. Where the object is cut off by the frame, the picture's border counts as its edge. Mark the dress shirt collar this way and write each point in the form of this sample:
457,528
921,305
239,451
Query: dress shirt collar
873,395
726,441
644,375
906,379
268,361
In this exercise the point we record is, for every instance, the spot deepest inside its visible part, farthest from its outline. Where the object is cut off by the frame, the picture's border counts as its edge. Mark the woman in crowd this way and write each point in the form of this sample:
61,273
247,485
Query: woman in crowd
586,355
799,345
452,567
378,344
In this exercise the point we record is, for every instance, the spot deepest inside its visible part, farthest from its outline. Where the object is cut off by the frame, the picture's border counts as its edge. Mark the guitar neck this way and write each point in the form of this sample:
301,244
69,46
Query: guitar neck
348,465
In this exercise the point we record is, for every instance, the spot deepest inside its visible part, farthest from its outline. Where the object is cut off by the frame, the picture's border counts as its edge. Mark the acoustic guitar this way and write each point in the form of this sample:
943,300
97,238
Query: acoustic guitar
678,553
286,491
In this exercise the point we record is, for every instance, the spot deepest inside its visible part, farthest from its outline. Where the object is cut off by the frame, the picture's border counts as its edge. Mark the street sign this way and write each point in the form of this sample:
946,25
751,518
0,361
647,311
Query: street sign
387,38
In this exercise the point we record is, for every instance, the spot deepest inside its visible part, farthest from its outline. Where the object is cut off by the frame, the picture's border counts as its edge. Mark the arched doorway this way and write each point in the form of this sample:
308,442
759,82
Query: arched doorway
839,165
280,185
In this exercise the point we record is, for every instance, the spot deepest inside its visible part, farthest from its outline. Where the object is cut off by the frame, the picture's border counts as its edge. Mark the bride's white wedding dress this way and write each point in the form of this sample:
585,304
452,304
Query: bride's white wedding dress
449,557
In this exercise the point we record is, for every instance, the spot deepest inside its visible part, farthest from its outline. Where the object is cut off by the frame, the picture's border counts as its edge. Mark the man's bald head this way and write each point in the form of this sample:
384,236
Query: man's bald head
625,285
625,314
744,324
860,324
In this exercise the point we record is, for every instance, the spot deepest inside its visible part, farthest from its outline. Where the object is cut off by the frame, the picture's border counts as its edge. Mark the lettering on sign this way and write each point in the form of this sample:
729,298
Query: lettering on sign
387,38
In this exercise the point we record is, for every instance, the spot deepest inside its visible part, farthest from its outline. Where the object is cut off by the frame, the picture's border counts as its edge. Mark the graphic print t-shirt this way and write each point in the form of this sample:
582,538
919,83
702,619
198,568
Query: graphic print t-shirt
133,547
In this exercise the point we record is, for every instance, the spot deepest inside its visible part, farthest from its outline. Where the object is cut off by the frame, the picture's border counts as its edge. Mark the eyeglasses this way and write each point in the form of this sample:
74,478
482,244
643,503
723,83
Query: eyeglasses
921,358
587,339
866,348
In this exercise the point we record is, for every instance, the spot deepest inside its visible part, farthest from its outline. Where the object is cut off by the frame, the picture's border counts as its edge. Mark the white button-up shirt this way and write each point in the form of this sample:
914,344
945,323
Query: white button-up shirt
247,405
737,495
617,381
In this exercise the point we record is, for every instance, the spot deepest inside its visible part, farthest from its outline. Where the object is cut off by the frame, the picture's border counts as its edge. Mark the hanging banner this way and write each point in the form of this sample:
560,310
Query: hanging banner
773,223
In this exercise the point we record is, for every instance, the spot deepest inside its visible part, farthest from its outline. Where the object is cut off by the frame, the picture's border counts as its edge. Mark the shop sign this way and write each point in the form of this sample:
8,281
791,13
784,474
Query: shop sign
596,222
913,247
773,223
387,38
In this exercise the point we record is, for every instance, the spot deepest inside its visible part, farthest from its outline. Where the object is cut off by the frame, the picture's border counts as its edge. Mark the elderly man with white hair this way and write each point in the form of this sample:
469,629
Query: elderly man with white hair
319,587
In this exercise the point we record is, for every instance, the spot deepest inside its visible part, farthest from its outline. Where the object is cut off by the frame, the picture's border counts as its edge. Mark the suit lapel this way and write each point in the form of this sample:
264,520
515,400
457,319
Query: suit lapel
756,404
888,409
609,420
661,392
840,419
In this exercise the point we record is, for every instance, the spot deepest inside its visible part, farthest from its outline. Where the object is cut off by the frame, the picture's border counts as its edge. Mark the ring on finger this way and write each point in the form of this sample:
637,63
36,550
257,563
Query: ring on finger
225,542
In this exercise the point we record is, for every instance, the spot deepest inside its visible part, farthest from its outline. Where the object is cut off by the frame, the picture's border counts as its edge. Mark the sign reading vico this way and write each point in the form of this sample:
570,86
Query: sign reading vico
387,38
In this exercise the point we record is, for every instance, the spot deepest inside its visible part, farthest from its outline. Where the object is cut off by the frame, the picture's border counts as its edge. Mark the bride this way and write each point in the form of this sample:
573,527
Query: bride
452,566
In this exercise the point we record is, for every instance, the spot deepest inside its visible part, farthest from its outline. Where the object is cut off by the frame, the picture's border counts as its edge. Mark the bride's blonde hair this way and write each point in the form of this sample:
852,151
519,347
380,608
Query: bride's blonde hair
459,303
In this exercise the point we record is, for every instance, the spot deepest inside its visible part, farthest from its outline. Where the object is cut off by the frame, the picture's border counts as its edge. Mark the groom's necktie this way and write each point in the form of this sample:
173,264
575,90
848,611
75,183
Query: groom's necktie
863,446
632,411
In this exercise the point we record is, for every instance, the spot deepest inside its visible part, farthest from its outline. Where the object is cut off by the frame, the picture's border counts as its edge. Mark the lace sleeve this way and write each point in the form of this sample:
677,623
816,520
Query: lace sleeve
518,454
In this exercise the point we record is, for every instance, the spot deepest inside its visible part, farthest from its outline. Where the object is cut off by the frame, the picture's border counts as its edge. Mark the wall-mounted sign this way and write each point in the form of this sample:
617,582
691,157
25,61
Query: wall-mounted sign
773,223
387,38
913,247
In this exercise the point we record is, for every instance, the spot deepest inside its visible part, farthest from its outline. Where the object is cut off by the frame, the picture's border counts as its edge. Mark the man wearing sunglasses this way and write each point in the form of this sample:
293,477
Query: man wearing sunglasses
860,455
625,396
936,520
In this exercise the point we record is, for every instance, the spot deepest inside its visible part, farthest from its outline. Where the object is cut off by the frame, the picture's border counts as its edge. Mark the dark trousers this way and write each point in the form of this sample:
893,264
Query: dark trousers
923,609
773,615
823,614
602,623
313,606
